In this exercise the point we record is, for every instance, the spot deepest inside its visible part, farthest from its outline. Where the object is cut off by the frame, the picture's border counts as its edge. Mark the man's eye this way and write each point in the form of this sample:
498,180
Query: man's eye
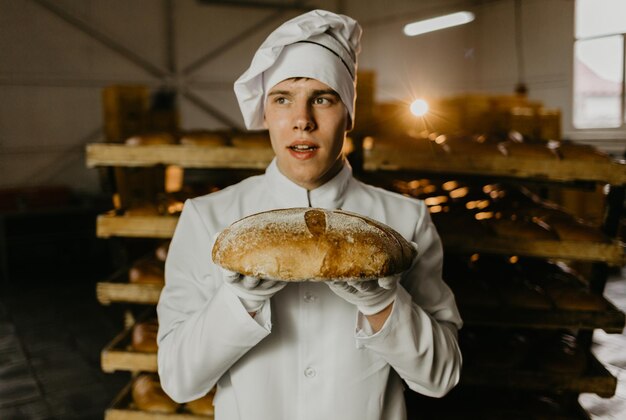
321,101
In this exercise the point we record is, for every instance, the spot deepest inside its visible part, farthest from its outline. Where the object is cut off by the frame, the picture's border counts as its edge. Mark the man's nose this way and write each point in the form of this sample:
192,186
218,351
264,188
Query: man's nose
303,118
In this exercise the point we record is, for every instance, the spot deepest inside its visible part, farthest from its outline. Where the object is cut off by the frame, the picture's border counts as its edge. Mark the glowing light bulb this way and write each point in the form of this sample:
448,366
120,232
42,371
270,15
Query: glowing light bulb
419,107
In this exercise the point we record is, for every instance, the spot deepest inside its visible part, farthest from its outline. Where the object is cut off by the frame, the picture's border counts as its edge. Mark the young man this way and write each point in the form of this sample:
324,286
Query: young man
304,350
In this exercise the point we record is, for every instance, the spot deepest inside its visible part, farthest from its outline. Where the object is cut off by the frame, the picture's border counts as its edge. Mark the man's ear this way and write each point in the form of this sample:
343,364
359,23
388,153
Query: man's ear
265,122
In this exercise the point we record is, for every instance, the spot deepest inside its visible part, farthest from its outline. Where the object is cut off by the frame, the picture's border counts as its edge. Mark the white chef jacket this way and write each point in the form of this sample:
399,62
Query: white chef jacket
308,354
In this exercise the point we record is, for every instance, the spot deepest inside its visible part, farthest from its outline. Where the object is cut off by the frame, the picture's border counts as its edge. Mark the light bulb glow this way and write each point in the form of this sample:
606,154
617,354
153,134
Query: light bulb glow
419,107
437,23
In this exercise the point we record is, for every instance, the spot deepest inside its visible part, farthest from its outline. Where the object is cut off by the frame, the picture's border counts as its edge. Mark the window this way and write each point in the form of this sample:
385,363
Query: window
599,64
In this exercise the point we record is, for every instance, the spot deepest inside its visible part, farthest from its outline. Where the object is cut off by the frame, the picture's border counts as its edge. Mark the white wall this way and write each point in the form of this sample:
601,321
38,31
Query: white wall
51,73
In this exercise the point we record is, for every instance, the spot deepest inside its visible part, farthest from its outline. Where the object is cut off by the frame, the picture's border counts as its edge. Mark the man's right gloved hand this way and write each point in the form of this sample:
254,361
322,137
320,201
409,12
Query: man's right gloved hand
252,291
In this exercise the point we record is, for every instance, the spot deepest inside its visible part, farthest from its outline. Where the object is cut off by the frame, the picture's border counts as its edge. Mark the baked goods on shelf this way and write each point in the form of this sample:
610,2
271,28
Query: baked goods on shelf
482,146
251,140
149,396
203,138
302,244
517,147
144,336
147,270
496,210
161,251
150,139
202,406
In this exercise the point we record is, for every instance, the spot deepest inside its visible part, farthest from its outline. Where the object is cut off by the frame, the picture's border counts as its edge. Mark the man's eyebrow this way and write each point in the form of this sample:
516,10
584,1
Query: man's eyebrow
325,92
279,92
316,92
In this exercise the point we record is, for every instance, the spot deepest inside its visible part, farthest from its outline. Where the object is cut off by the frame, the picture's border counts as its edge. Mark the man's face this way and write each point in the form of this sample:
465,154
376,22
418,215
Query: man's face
307,124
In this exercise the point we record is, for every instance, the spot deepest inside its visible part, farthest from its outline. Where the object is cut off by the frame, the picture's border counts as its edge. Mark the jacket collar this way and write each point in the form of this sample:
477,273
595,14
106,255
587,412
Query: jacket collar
288,194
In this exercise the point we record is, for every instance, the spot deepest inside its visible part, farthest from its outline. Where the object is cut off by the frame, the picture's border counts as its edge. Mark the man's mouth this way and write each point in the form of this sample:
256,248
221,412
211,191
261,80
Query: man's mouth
303,147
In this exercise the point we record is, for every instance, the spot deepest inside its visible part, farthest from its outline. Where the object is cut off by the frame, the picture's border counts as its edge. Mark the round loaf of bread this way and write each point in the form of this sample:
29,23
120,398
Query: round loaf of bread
301,244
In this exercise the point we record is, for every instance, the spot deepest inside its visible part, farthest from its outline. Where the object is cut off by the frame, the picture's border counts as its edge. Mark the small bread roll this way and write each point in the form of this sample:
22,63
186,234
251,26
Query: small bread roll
202,406
161,251
149,396
147,271
203,138
302,244
150,139
144,336
252,140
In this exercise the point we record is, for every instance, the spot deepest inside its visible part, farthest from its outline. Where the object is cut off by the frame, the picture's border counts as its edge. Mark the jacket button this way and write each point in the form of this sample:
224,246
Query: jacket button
309,372
309,297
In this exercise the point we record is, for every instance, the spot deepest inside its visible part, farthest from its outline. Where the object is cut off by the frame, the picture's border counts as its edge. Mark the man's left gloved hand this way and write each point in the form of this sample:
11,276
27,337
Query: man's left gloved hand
371,296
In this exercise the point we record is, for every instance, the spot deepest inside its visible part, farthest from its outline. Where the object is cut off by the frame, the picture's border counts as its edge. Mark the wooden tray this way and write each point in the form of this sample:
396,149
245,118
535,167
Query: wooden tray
108,225
596,379
119,356
611,253
122,409
386,159
111,154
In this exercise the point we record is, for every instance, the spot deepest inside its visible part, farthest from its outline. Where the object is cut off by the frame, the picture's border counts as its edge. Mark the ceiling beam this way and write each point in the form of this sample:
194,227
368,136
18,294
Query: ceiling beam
103,39
209,109
296,5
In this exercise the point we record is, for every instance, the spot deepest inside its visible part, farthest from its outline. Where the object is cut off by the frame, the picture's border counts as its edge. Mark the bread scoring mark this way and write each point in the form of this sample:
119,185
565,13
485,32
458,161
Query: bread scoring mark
315,222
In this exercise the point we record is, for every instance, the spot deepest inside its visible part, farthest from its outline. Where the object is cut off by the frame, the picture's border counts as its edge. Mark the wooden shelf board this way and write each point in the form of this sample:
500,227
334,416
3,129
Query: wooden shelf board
136,226
596,379
609,319
227,157
119,356
109,292
122,409
501,166
611,253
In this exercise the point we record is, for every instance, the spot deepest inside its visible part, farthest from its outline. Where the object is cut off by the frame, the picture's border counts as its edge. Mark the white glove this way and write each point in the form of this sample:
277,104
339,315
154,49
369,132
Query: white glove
370,297
253,292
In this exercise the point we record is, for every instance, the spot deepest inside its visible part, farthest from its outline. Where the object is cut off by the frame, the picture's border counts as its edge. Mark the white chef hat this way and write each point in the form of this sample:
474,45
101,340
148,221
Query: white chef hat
319,45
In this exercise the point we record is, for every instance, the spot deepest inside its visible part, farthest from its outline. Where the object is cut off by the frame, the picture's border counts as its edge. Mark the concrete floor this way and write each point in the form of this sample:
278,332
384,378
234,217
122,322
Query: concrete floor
50,341
51,335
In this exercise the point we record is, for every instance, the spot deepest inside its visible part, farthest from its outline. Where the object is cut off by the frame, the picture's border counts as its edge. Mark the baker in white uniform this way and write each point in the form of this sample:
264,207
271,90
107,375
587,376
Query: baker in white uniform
304,350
